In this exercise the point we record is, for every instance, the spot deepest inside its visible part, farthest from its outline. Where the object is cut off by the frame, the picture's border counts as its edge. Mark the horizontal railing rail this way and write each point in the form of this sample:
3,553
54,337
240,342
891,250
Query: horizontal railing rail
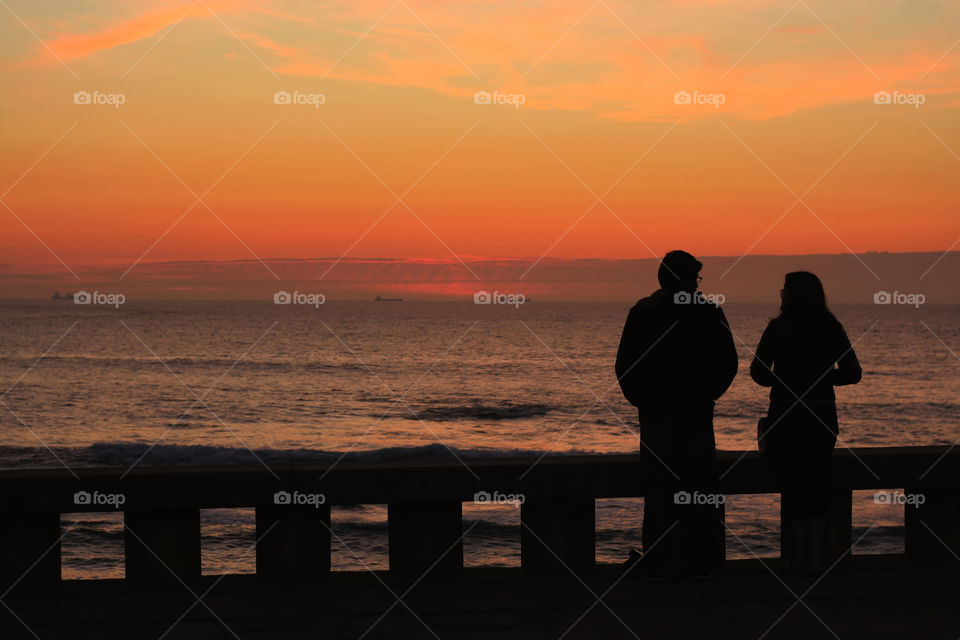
161,507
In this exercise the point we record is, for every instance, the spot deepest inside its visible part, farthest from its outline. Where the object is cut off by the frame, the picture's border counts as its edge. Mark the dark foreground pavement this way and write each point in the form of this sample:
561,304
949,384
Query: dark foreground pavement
868,598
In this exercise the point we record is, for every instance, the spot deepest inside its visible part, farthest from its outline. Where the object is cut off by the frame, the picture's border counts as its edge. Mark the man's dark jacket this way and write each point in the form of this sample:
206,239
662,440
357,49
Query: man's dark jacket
676,355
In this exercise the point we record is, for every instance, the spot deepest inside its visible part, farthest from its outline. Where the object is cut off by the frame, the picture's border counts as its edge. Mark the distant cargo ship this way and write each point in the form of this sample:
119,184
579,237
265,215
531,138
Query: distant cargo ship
382,299
57,296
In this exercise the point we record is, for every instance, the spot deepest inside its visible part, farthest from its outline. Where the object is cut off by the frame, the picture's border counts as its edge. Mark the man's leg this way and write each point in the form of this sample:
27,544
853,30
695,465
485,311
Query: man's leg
658,530
657,453
701,525
699,474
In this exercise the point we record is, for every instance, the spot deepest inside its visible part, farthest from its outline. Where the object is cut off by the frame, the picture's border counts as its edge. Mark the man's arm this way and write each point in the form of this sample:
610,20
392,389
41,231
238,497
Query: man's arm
726,360
627,357
629,368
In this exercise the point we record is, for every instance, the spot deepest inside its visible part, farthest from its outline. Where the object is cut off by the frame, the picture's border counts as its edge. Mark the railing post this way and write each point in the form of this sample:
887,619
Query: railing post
29,550
839,526
931,524
162,545
425,535
557,532
293,543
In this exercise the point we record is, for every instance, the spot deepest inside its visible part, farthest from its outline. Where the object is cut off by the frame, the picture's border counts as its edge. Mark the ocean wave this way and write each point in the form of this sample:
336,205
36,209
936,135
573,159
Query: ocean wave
479,527
149,362
478,411
904,410
111,454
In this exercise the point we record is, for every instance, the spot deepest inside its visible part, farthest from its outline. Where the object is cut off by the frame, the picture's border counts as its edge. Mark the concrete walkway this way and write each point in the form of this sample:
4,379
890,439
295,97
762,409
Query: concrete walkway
872,598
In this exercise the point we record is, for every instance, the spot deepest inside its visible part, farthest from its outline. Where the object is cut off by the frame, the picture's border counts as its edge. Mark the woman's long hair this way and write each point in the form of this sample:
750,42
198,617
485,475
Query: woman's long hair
803,295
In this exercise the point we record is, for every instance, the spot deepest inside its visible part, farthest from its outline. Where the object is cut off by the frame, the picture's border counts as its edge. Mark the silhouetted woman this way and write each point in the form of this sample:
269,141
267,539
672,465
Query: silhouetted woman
803,354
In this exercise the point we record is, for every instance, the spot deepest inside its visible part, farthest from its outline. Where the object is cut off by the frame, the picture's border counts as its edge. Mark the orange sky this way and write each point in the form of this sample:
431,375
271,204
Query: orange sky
95,185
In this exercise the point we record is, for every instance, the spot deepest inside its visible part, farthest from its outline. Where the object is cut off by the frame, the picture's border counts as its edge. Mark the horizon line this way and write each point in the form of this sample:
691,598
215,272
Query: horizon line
460,259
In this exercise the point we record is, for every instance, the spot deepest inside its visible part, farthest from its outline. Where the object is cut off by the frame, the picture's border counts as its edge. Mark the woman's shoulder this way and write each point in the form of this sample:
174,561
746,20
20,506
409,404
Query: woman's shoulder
827,330
775,325
794,327
831,322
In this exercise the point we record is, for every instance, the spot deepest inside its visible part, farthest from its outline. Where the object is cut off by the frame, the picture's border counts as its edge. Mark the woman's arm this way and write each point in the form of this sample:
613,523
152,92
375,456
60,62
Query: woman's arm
761,369
848,369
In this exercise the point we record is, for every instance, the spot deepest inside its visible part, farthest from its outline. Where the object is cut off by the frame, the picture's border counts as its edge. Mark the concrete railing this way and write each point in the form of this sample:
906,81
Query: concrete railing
161,508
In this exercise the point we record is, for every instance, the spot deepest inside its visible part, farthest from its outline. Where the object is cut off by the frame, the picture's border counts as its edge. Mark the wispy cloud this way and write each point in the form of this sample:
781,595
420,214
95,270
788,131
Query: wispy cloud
614,53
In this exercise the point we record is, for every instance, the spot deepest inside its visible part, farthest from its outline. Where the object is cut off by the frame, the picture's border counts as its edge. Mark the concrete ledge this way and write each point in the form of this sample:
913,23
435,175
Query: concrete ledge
416,480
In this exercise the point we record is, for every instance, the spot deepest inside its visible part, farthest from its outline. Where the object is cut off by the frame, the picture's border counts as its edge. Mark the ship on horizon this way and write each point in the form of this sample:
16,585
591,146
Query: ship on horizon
382,299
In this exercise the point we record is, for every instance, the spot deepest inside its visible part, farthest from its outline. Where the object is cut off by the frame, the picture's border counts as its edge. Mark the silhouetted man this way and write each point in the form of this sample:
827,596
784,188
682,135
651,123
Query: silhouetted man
676,358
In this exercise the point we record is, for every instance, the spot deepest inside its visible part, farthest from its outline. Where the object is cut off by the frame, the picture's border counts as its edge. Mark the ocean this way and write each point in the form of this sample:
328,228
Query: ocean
183,383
